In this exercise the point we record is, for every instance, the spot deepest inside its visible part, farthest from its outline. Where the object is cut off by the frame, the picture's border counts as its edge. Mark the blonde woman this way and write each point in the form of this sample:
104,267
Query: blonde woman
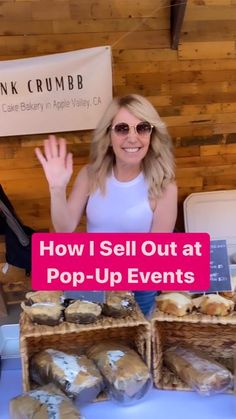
129,184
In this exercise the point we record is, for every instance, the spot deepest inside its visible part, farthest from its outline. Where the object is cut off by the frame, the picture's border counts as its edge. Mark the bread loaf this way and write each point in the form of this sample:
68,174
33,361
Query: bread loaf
126,375
118,304
56,297
83,312
197,370
76,375
50,314
46,402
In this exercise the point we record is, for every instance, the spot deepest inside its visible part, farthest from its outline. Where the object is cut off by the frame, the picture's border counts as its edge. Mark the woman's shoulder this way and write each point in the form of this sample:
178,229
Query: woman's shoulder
169,193
83,175
84,171
171,188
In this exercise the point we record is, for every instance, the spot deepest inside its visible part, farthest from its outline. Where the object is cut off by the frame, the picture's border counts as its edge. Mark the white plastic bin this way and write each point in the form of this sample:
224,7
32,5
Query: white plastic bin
214,213
9,347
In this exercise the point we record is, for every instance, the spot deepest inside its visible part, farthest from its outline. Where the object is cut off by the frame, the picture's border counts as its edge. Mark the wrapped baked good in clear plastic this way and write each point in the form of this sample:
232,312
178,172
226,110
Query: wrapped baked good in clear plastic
118,304
83,312
46,402
197,370
50,314
174,303
126,376
56,297
231,295
76,375
213,305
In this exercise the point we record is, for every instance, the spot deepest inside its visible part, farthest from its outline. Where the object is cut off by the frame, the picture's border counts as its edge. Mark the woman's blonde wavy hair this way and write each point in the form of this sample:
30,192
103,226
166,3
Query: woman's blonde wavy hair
157,165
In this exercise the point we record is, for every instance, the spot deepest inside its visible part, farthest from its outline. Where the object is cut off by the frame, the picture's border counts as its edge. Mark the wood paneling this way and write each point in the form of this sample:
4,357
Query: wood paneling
193,88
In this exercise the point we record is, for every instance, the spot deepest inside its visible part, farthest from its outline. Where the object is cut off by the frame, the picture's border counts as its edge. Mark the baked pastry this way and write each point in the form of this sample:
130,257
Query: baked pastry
118,304
231,294
126,376
50,314
76,375
45,402
174,303
56,297
82,312
213,305
197,370
228,294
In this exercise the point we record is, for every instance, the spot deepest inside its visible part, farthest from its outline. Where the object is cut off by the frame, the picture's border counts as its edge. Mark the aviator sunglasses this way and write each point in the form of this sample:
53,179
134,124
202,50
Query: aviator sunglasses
142,128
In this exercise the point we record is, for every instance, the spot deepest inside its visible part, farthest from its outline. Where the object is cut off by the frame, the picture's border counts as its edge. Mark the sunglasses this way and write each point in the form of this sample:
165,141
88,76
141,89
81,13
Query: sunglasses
142,129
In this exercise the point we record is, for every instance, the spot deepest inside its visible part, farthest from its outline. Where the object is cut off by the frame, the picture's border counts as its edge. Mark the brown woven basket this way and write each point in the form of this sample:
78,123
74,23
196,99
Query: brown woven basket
133,330
212,335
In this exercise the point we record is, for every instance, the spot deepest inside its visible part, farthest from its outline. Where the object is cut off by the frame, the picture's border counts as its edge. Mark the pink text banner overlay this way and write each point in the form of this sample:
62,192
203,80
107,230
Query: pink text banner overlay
121,261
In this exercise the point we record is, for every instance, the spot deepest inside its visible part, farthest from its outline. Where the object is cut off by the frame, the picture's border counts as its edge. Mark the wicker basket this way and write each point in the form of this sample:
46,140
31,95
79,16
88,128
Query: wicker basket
214,336
133,330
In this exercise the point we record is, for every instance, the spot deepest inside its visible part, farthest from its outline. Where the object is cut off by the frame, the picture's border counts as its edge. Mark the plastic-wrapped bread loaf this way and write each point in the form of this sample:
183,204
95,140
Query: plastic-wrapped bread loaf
198,371
46,402
47,313
56,297
83,312
118,304
126,376
76,375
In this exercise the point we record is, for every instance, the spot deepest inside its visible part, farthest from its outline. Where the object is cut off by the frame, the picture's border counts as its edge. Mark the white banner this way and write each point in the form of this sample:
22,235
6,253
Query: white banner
55,93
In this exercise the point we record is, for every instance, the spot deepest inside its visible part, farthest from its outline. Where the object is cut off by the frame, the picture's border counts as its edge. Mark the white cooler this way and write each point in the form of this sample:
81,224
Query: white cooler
214,213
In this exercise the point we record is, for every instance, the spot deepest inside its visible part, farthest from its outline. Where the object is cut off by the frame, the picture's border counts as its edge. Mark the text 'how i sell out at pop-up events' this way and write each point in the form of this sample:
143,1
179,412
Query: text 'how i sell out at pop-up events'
120,261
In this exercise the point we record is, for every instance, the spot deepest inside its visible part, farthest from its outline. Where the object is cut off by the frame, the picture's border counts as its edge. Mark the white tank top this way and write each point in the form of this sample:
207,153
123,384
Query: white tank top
124,207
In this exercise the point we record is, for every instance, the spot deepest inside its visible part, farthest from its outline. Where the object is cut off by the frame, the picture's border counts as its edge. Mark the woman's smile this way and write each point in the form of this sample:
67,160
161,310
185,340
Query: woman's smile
131,149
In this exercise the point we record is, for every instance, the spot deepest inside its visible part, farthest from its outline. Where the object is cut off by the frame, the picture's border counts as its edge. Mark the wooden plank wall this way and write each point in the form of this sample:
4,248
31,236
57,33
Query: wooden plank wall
194,88
204,101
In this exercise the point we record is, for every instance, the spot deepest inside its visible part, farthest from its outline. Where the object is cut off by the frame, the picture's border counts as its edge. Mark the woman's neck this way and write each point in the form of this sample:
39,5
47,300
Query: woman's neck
125,174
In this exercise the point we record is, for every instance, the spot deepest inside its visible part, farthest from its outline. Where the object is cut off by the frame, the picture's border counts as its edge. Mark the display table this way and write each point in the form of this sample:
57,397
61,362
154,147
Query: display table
158,404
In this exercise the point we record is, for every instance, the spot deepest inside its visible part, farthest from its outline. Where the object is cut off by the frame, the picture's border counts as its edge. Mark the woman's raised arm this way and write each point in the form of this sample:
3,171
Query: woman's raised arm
58,168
